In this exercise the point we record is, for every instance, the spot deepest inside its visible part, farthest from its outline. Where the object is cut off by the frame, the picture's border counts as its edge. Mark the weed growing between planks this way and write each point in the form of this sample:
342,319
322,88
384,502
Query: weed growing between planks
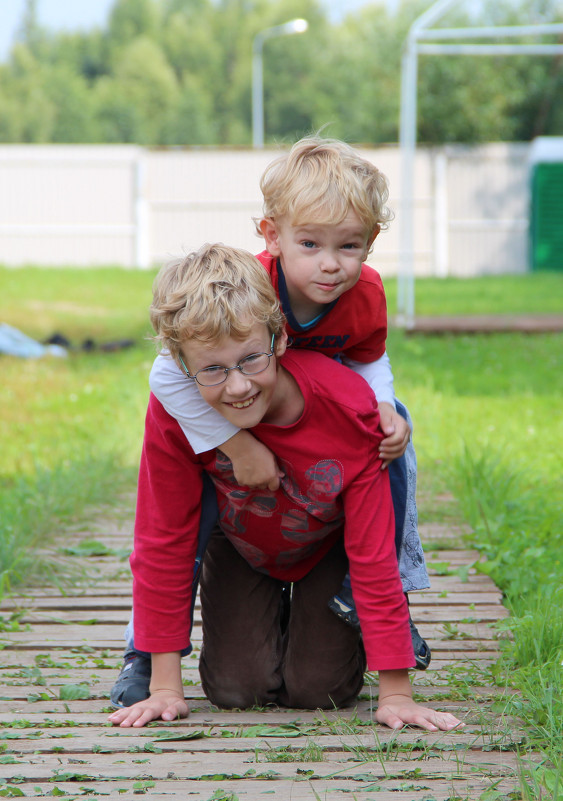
312,752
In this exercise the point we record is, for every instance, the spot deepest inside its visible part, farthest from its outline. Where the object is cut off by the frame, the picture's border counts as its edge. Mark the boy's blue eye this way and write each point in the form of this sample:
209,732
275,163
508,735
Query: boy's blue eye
308,244
215,369
252,358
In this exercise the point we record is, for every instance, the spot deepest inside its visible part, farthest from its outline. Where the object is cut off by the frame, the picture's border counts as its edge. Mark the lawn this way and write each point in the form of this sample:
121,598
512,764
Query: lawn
486,410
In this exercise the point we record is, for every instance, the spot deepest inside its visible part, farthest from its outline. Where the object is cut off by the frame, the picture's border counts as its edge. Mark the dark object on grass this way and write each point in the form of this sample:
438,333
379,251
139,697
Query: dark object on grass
58,339
89,345
120,344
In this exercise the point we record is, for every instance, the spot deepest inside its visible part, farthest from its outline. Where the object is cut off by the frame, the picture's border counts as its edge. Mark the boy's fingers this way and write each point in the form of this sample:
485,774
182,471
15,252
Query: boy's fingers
177,710
389,718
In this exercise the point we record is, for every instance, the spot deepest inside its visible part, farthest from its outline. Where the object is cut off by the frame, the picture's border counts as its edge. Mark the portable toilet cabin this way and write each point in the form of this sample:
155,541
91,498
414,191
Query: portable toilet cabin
546,213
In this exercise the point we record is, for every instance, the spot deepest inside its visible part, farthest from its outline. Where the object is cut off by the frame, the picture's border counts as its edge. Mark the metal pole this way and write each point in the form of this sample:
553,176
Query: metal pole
293,26
492,32
490,49
257,92
407,141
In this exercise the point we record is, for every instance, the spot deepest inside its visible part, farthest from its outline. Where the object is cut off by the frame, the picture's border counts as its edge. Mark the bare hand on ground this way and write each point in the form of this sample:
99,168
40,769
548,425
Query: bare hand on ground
164,704
397,711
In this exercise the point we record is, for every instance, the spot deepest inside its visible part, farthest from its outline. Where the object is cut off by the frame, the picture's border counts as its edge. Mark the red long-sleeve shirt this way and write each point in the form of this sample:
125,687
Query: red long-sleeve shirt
333,487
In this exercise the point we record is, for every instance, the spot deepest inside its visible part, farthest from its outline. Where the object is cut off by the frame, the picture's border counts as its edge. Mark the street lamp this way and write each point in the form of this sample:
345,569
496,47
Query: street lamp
293,26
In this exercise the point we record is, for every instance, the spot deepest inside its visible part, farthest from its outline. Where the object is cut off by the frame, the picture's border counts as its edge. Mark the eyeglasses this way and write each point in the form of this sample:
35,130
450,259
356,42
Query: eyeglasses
216,374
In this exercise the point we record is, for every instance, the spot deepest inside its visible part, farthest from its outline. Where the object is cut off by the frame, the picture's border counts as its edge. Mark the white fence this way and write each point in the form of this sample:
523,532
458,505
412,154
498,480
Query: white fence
123,205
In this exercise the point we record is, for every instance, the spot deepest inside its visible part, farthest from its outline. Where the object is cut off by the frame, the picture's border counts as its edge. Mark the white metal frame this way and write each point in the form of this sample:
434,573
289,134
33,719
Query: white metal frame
420,32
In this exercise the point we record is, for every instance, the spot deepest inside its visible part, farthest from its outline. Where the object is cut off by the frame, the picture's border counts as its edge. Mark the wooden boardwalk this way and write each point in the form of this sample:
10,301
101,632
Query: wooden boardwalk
55,743
487,324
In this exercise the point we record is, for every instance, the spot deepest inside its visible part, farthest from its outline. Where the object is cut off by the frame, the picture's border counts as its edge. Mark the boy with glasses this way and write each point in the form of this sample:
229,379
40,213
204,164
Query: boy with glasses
277,556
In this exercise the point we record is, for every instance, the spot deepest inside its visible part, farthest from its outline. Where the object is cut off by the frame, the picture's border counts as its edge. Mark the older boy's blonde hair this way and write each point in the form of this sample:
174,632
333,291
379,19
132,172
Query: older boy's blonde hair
215,292
320,181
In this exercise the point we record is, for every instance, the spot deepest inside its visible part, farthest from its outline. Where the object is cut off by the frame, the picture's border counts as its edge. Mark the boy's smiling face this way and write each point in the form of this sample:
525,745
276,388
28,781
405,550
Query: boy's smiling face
320,261
243,400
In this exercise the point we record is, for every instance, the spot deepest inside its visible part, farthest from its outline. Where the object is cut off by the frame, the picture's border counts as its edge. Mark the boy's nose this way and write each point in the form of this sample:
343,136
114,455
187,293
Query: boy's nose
237,383
329,263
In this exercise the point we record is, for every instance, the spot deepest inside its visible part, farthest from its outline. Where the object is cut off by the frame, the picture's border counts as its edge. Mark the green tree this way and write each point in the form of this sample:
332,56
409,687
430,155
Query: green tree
130,19
73,103
148,81
179,72
118,119
23,95
359,80
191,120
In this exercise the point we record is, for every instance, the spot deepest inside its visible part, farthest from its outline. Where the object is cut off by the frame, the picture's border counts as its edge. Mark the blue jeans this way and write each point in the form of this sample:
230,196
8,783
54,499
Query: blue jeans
402,475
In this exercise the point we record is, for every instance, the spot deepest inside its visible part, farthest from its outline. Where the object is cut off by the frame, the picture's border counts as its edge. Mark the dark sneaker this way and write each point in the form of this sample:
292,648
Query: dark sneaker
133,682
422,652
343,607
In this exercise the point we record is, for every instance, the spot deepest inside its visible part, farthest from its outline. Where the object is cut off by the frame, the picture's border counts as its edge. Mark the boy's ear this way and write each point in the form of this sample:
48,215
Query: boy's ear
372,237
270,234
281,344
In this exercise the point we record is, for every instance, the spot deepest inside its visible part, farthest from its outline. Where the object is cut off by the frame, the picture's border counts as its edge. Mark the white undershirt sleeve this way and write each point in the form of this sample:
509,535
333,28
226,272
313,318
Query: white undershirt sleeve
379,376
203,426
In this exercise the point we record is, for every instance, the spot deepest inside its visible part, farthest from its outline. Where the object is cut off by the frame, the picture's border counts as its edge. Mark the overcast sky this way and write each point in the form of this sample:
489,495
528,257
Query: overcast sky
85,14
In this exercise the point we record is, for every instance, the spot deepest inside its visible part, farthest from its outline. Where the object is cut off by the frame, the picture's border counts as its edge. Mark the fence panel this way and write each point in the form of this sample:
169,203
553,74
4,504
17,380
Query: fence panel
87,205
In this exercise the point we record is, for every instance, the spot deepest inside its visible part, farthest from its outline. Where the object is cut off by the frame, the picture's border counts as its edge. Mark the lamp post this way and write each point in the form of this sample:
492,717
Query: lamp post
293,26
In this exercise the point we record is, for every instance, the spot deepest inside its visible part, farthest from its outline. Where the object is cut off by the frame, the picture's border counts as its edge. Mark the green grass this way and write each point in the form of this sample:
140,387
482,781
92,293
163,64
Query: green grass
100,303
530,293
488,429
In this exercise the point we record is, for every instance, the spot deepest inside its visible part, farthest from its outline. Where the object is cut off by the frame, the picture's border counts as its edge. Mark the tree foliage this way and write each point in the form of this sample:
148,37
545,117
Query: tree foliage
178,72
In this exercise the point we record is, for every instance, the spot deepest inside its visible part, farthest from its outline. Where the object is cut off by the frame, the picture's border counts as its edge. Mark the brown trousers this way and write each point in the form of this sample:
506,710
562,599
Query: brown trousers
253,655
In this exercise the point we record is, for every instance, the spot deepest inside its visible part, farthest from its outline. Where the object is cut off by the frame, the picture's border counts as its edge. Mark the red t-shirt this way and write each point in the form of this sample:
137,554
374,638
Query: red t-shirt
333,487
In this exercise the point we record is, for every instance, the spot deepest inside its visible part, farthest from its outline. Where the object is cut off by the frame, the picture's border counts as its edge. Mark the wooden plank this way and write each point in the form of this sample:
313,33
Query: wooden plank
114,621
456,596
487,324
408,745
195,766
111,636
302,789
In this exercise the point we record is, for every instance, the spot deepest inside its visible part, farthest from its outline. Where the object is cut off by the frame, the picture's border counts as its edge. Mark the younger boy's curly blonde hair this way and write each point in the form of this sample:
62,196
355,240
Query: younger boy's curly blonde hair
215,292
320,181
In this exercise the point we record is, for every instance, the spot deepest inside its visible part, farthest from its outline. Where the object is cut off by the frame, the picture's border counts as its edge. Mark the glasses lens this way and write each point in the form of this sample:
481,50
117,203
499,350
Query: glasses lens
210,376
254,363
